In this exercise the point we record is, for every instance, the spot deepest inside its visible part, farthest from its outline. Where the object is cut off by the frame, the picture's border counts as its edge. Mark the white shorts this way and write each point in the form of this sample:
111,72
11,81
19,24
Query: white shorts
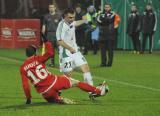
67,64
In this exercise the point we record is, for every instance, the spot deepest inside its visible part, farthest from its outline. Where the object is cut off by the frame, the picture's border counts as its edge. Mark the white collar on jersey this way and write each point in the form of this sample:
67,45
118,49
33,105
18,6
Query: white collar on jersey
69,24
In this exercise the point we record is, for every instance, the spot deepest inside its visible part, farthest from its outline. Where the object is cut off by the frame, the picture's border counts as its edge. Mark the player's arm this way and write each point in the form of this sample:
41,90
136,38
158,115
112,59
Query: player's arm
43,29
48,52
26,87
44,22
100,18
63,44
80,22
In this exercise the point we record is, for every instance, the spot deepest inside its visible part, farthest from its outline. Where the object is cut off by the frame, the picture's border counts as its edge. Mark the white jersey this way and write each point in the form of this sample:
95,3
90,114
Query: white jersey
66,32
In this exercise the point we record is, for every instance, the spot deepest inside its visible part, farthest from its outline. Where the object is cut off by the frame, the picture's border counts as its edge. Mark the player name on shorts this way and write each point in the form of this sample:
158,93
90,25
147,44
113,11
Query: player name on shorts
31,65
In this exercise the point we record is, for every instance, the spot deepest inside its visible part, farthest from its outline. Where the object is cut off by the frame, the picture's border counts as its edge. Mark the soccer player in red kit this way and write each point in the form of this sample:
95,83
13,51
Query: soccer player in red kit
47,84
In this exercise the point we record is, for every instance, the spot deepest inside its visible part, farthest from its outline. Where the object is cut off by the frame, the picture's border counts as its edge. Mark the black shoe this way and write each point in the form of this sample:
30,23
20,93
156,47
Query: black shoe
103,65
94,53
104,90
109,65
51,65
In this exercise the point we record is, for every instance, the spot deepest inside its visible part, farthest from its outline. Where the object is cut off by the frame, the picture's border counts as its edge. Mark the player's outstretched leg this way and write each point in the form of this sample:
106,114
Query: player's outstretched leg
88,88
95,91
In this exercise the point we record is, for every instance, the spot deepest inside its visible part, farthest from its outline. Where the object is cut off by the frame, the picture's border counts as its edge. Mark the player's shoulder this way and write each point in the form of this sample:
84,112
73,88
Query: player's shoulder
25,62
30,60
62,25
73,23
61,22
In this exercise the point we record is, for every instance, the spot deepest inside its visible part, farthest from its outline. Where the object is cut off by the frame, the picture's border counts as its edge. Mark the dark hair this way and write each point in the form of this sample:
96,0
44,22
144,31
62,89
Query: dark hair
78,5
150,4
68,10
31,50
108,4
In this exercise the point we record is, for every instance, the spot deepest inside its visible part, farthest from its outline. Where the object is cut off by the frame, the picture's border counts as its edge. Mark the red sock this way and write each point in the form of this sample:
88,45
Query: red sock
88,88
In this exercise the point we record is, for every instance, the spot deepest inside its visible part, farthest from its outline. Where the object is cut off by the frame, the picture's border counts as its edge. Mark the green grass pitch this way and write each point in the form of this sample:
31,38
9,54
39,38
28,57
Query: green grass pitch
134,82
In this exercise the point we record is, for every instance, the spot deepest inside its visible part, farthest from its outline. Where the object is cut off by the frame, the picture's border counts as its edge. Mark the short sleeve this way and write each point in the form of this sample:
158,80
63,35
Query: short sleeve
60,32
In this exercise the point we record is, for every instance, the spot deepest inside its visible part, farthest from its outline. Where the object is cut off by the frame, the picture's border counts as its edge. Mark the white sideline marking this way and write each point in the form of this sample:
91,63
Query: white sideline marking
100,78
126,83
10,59
132,85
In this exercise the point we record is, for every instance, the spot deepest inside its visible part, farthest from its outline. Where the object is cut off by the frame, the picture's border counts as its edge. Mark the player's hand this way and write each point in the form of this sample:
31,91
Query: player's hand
84,17
72,50
28,101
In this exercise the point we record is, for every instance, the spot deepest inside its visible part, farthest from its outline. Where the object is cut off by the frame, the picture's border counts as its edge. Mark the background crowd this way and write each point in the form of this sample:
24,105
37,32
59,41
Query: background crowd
101,31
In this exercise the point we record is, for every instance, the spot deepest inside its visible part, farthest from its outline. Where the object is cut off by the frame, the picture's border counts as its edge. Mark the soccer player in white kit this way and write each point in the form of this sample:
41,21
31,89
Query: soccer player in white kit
69,55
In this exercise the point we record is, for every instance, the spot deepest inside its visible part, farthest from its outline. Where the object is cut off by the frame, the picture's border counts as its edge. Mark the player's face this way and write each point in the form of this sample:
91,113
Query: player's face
107,8
70,17
91,10
52,8
78,9
148,7
133,8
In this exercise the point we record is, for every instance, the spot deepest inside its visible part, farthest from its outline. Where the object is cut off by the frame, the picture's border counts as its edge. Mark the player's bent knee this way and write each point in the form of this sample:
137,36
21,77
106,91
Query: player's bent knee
50,100
74,82
85,68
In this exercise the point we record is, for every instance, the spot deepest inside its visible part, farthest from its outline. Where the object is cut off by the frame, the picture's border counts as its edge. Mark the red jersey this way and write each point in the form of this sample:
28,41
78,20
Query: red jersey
34,69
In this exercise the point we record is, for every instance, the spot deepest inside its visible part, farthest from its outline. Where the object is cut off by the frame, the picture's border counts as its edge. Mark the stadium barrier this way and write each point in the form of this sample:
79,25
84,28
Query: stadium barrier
19,33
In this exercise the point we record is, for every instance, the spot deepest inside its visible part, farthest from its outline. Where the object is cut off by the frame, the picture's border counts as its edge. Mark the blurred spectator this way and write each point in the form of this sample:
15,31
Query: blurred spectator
35,13
108,24
133,28
95,35
95,38
24,7
149,24
91,18
80,29
49,27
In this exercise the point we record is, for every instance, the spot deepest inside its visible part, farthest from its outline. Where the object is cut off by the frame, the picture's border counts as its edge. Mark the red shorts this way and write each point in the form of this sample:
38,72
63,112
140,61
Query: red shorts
52,95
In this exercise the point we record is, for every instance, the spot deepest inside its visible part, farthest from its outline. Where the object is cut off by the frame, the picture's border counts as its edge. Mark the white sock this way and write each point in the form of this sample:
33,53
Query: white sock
88,78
